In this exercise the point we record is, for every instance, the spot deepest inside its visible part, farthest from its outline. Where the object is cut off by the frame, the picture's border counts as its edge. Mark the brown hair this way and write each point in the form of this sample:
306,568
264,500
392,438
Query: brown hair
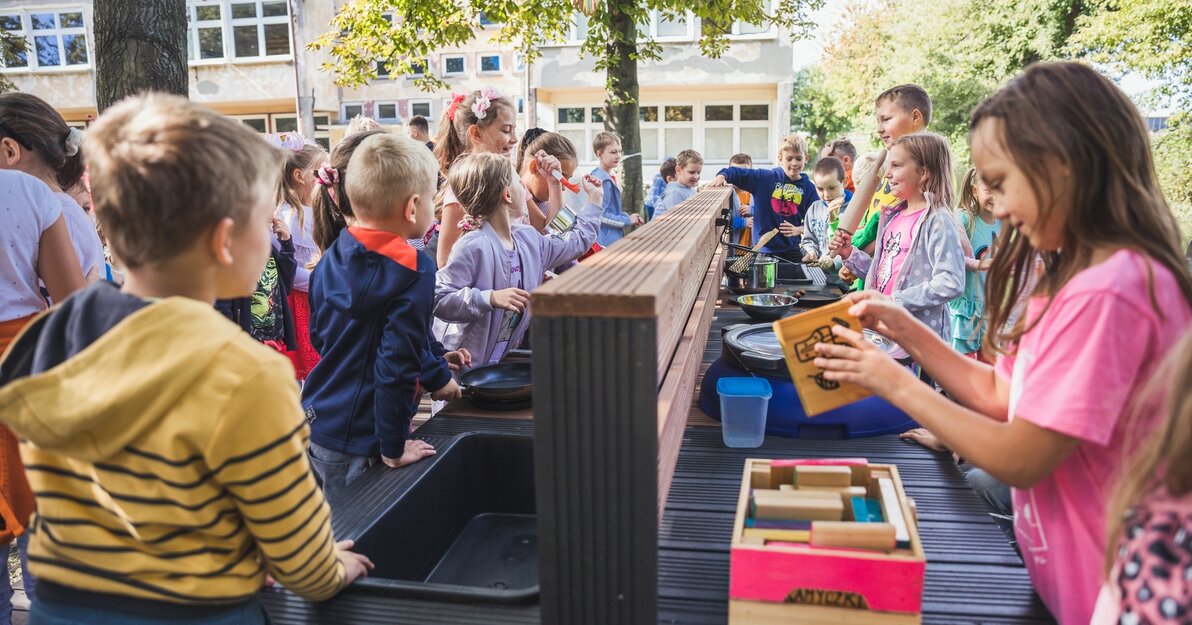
331,208
552,143
793,143
31,122
306,159
968,199
688,157
419,122
829,165
910,98
452,140
1066,115
603,140
361,124
385,170
479,181
741,159
842,147
1161,462
931,153
668,169
156,146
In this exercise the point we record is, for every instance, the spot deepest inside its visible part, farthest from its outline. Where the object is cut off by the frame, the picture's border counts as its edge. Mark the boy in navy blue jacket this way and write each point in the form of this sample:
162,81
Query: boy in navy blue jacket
781,197
371,301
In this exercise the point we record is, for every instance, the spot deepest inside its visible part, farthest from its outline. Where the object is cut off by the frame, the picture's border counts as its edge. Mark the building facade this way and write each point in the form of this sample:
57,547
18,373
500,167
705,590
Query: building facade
244,53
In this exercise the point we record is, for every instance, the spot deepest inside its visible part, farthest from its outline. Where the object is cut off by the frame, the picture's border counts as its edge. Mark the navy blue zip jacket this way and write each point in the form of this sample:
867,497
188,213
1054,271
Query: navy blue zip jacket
776,199
371,297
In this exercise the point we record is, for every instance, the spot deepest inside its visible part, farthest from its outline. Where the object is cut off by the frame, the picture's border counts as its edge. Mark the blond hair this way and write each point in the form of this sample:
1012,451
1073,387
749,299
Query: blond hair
385,171
480,181
688,157
452,140
305,159
793,143
931,153
361,124
603,140
164,171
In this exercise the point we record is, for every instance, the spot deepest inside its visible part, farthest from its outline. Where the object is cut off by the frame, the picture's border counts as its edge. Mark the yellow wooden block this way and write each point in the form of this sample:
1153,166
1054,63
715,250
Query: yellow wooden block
759,476
817,475
785,507
871,536
798,336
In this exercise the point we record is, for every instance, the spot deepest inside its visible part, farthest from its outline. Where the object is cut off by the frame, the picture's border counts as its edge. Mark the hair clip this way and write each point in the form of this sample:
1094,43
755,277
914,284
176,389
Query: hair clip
456,98
327,176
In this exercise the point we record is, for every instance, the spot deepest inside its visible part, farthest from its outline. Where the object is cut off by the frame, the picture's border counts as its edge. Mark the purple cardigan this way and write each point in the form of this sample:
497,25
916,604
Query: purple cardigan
479,265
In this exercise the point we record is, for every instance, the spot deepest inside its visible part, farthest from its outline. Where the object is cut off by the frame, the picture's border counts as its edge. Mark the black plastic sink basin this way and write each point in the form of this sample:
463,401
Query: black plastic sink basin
466,529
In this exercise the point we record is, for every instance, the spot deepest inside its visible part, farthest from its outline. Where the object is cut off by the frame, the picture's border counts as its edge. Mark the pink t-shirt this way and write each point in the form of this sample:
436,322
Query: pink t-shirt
897,238
1076,373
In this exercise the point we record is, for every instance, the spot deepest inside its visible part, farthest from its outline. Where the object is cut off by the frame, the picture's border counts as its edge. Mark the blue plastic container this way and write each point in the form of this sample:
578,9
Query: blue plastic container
744,403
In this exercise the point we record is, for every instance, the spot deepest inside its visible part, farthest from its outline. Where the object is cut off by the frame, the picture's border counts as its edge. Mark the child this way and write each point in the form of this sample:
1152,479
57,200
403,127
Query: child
781,197
331,211
658,185
45,147
544,192
828,176
844,150
743,220
361,124
186,429
689,165
1150,519
900,111
614,221
1069,163
418,129
293,194
483,121
485,287
371,298
976,219
266,314
919,262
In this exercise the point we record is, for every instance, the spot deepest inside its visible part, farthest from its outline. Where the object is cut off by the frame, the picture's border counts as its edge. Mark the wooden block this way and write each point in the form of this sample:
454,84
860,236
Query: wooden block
893,512
781,474
759,476
849,491
866,510
871,536
764,524
840,477
797,508
753,540
766,534
798,336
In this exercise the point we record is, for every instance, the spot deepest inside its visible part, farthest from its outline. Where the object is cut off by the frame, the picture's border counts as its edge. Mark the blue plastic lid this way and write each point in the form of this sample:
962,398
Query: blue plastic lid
743,387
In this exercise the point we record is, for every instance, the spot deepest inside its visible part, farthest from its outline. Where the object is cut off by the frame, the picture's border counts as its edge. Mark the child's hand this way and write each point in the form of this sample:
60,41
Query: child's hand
356,565
636,219
749,222
415,450
593,189
745,212
880,313
924,437
862,363
450,392
280,229
846,275
788,229
718,181
810,257
842,244
545,164
458,359
984,264
510,299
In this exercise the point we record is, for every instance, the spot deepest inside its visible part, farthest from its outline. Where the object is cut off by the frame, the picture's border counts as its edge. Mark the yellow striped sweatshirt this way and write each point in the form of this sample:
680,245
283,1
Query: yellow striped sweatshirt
166,451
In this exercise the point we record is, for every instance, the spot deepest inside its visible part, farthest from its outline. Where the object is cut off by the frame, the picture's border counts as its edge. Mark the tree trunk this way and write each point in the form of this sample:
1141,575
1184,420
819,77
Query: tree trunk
623,115
140,45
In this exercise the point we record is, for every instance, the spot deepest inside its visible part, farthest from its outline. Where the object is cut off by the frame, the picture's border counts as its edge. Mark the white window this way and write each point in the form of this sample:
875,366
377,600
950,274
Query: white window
420,107
453,65
674,28
579,28
386,112
259,123
490,63
745,29
57,38
731,128
487,23
351,110
238,29
284,123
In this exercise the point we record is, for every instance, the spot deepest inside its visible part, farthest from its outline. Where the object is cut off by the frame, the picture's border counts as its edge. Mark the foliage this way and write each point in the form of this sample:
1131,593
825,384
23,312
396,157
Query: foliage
10,46
1151,37
815,111
1173,161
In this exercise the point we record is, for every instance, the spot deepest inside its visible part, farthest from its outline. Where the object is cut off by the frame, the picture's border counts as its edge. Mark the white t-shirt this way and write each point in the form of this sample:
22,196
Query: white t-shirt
83,236
27,209
305,248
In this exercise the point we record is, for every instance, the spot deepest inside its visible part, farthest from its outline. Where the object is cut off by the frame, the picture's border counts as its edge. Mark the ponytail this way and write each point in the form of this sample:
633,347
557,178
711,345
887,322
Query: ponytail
31,122
331,207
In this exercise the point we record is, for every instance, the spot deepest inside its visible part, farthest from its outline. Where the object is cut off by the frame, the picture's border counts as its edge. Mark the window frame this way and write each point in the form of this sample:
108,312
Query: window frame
228,25
26,32
736,124
463,58
387,121
343,110
480,64
430,108
656,18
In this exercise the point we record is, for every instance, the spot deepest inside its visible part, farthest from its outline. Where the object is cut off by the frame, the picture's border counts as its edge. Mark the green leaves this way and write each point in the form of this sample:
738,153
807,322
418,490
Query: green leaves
1151,37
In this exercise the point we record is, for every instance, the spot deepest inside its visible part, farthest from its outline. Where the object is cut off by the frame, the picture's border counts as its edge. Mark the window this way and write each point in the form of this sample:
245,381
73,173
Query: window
485,22
352,111
678,129
259,123
453,65
668,28
285,123
322,134
420,107
490,63
58,38
579,28
418,70
732,128
521,106
387,112
237,29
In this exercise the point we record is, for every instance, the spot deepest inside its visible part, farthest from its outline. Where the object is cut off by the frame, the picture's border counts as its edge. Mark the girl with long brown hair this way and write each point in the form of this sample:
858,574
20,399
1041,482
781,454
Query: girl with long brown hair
294,191
1068,159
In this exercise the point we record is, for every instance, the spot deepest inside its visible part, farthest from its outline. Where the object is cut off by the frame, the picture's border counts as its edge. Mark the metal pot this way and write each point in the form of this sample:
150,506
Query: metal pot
759,277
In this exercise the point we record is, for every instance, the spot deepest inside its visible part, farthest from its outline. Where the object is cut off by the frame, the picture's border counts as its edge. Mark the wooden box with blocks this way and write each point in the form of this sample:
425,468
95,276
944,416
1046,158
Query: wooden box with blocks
825,541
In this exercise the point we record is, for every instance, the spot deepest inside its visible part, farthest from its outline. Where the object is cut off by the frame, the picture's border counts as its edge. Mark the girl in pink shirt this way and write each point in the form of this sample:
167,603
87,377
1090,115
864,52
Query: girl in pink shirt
1068,160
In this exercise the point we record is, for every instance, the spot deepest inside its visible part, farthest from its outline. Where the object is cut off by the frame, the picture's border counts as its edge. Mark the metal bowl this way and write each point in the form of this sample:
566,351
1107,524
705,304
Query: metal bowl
766,306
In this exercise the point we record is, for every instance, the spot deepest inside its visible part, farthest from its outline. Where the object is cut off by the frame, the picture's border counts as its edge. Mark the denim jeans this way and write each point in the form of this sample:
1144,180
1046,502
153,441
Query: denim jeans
27,580
336,470
53,613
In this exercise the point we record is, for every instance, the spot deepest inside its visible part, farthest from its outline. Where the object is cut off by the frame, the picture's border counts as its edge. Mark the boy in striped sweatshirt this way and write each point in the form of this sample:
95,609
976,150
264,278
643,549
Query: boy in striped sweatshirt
165,447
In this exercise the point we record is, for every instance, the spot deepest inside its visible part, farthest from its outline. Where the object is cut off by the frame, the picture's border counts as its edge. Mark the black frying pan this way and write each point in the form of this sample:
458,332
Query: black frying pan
504,381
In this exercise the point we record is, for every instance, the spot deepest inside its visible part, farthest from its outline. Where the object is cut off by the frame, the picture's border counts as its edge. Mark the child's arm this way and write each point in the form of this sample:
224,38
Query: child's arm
287,265
613,216
865,237
742,177
858,262
942,244
449,231
259,458
456,300
557,250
